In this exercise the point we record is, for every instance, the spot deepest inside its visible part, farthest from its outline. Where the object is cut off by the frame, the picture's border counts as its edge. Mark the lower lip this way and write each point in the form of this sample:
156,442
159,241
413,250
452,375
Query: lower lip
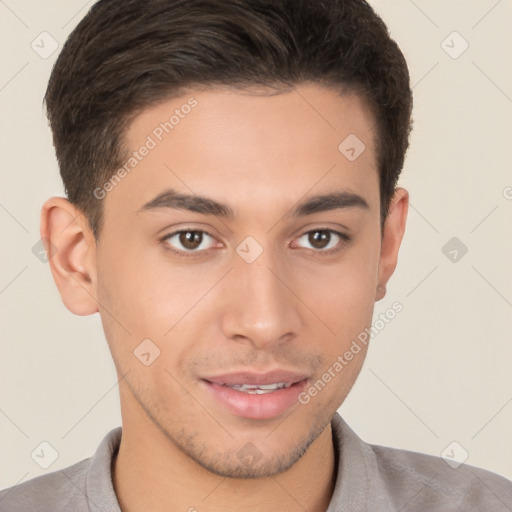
254,406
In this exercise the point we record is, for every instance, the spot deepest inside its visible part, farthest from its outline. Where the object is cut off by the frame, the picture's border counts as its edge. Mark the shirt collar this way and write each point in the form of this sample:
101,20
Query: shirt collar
101,496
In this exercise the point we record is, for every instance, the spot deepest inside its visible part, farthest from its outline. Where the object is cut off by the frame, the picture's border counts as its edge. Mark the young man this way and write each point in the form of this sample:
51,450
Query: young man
233,215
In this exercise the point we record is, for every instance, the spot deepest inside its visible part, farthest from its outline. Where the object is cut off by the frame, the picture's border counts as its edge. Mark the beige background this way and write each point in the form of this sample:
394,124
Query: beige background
438,373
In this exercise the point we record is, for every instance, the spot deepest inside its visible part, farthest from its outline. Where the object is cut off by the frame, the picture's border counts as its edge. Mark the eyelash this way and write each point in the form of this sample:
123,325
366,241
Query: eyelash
187,254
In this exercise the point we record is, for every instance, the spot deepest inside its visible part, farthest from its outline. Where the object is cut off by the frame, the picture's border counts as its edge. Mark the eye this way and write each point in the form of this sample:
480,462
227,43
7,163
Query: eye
188,241
326,241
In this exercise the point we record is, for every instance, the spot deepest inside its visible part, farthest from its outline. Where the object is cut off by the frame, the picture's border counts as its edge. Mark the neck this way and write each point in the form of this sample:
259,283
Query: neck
151,473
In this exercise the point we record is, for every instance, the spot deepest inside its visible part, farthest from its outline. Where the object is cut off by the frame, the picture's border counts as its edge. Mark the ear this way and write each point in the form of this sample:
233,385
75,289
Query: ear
393,232
71,251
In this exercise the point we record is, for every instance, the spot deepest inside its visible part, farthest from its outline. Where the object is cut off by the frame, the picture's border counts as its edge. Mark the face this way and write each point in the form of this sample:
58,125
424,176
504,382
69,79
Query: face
241,283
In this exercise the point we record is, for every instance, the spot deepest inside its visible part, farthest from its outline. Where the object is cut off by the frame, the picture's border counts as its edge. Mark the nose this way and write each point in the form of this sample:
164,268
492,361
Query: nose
262,308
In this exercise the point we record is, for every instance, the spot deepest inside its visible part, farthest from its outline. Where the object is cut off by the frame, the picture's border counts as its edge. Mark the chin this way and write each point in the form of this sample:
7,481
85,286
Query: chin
247,461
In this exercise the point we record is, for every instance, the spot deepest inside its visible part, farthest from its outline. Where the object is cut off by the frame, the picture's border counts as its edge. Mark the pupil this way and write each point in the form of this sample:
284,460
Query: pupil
319,239
191,239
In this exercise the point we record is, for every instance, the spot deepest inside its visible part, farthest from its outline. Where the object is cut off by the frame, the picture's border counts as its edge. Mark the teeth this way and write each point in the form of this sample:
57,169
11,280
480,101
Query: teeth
258,389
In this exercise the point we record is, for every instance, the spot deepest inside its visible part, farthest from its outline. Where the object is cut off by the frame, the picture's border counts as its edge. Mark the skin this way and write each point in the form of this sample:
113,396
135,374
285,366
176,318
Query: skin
211,313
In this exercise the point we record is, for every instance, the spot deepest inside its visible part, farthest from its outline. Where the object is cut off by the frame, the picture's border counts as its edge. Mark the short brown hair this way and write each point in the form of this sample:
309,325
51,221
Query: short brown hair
126,55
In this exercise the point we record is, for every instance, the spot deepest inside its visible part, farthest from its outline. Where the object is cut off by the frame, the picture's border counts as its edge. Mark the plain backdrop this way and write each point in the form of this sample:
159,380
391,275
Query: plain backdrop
439,373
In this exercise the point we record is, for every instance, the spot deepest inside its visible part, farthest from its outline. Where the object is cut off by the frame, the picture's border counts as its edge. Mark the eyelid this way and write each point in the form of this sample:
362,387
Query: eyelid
187,227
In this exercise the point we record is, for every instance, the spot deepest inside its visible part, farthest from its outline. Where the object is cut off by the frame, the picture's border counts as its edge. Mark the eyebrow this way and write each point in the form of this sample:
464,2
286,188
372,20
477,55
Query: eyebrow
199,204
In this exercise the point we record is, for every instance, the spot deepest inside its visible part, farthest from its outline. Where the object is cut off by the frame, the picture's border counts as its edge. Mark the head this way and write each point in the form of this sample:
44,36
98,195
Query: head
232,211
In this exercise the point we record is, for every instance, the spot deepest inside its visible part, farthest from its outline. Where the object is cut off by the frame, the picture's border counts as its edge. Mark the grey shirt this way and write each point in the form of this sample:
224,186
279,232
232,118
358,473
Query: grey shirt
369,478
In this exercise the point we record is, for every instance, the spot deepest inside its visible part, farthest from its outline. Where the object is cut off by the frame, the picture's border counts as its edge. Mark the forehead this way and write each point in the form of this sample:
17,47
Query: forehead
248,145
303,111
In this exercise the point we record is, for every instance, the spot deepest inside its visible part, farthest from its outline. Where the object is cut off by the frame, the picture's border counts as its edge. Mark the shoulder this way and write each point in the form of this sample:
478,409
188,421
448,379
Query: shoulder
61,490
84,486
395,479
429,482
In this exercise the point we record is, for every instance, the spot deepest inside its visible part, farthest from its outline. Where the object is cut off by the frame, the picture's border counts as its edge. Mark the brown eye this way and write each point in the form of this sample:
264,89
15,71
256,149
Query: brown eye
323,241
190,239
319,239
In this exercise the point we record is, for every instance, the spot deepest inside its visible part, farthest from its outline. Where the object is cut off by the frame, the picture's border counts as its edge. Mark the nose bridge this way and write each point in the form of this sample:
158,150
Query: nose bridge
261,307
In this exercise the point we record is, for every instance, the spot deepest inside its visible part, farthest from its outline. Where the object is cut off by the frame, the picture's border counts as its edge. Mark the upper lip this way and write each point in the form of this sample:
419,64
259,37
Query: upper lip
271,377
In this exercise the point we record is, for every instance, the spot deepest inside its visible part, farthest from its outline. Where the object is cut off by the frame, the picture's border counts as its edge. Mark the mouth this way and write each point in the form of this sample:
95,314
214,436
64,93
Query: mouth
259,389
255,396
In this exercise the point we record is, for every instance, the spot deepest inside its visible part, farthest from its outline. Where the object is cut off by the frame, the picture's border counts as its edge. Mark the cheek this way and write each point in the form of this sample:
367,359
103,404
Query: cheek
125,294
342,294
148,298
137,288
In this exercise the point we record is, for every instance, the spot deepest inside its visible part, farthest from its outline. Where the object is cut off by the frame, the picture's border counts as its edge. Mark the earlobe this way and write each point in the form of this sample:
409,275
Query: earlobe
380,292
71,253
393,232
